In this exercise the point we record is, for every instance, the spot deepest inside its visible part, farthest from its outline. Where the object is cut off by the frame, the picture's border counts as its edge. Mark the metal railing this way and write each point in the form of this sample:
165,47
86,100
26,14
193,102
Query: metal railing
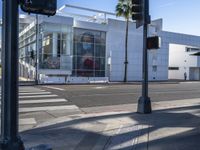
97,16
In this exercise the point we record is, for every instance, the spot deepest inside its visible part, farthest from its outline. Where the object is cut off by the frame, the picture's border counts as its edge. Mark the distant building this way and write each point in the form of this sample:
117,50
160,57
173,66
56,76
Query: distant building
184,60
0,52
74,50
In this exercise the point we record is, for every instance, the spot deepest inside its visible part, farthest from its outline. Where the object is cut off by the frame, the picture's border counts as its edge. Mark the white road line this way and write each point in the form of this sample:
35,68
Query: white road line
100,87
55,88
37,96
27,91
40,93
27,121
42,101
48,108
30,91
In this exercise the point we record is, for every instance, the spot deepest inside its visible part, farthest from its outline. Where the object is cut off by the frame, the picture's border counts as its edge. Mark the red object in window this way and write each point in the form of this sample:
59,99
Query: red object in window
89,63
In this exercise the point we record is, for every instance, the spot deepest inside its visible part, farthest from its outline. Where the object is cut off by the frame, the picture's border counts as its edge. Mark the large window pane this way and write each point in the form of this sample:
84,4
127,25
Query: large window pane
84,48
89,53
85,73
47,44
53,54
100,50
47,61
100,38
100,64
85,63
99,73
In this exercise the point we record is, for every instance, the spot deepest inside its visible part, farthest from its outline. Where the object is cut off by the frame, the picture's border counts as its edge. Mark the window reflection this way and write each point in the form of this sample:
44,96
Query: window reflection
89,53
54,51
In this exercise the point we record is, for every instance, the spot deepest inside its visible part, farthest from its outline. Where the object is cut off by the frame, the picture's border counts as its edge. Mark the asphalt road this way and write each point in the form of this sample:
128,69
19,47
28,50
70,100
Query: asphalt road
106,95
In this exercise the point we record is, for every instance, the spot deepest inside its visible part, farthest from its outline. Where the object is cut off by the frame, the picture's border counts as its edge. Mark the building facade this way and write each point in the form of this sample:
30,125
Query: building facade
67,50
187,68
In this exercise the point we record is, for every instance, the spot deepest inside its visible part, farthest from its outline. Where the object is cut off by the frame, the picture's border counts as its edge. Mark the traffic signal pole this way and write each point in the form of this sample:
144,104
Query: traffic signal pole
37,49
144,102
10,139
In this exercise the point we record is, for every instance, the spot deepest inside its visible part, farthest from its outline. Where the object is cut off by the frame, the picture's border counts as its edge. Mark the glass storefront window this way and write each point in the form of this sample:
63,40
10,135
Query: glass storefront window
47,44
55,49
100,50
89,53
49,62
100,64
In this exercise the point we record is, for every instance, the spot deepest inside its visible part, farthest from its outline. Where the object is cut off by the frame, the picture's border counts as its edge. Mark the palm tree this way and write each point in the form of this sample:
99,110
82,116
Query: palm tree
123,9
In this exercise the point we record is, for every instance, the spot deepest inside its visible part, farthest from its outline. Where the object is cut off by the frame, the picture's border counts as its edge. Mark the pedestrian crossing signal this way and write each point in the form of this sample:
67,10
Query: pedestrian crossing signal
32,55
153,42
43,7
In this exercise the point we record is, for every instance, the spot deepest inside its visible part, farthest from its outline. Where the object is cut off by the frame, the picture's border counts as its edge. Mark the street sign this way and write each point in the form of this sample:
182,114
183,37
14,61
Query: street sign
43,7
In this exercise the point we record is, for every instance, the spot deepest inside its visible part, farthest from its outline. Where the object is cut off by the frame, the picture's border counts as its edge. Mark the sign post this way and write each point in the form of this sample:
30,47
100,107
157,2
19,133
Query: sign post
144,102
10,139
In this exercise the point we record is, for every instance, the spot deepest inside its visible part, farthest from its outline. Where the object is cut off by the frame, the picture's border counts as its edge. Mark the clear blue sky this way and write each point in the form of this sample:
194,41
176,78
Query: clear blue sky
178,15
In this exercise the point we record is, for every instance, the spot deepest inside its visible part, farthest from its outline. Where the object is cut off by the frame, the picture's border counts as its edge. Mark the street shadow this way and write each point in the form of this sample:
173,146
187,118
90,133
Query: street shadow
173,122
173,129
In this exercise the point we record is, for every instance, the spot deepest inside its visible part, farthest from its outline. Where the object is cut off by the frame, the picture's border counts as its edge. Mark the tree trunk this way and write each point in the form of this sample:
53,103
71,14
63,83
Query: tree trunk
126,52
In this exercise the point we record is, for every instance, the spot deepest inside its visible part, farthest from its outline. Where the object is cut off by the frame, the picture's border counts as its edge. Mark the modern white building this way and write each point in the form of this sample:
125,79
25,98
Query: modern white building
183,61
70,49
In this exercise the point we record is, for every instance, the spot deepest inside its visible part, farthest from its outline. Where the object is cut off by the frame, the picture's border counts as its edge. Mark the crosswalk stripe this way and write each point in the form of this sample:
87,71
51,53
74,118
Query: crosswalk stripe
42,98
55,88
48,108
37,96
42,101
40,93
32,91
27,121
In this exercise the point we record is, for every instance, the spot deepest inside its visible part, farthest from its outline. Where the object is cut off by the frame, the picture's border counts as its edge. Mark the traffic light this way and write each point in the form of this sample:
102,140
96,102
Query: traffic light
32,55
140,12
137,10
44,7
153,42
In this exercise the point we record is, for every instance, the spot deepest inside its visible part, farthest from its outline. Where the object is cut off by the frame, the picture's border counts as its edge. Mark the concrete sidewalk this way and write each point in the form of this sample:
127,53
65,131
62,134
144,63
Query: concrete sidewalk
173,125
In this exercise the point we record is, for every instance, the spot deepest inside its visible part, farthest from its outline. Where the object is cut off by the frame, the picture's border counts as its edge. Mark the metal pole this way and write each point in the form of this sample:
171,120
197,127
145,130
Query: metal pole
37,50
10,139
145,63
144,103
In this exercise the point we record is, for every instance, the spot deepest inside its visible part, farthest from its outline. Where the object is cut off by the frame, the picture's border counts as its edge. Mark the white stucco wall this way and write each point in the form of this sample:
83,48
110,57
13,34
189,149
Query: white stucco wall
178,57
116,46
175,44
